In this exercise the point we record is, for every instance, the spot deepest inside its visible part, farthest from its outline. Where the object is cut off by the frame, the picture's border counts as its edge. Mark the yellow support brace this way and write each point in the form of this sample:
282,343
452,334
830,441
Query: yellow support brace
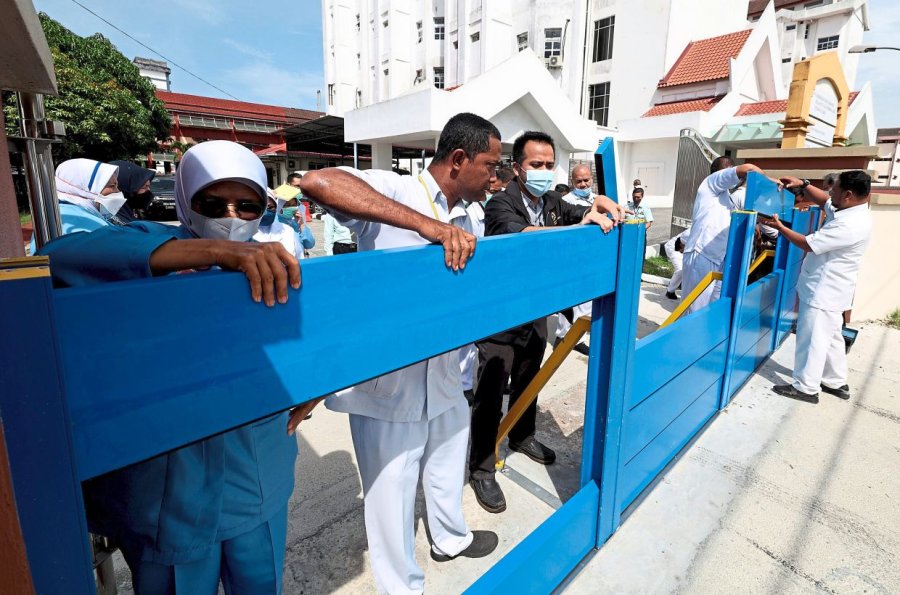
759,260
689,298
581,326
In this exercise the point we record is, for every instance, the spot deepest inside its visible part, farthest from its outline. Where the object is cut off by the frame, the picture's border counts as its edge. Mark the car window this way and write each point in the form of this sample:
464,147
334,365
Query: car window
163,186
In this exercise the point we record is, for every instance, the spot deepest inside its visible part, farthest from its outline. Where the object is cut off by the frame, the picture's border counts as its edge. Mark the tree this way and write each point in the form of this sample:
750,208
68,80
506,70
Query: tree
110,111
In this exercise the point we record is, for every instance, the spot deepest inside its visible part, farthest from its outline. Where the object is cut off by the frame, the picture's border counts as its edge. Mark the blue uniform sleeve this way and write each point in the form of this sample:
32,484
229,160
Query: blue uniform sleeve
307,239
114,253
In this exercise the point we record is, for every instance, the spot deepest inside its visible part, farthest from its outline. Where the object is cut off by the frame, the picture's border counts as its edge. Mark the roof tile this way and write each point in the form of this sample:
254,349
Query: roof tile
772,107
182,102
705,60
679,107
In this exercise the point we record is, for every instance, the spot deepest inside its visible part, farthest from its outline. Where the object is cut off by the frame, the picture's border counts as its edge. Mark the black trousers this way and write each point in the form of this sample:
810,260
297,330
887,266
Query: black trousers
342,248
498,363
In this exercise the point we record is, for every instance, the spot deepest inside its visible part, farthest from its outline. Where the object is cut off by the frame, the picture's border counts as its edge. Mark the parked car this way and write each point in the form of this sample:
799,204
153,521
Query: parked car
163,206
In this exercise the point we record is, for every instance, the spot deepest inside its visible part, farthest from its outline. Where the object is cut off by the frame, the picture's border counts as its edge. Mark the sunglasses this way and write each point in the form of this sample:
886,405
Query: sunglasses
216,208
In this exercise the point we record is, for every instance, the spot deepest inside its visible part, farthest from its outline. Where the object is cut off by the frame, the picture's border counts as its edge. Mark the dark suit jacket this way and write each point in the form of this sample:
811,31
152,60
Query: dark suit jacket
506,213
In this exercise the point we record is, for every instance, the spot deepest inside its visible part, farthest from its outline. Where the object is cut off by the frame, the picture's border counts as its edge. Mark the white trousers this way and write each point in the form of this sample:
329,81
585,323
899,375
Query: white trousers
563,325
391,457
820,357
676,258
696,266
468,361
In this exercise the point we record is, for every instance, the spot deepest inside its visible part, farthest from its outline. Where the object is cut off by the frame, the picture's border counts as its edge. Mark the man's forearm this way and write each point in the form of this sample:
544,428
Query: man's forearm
794,237
745,168
347,194
816,195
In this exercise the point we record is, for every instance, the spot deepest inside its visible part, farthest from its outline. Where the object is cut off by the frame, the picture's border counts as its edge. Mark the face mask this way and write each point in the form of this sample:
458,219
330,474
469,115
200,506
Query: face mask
224,228
111,203
141,200
582,192
539,181
289,211
289,221
487,196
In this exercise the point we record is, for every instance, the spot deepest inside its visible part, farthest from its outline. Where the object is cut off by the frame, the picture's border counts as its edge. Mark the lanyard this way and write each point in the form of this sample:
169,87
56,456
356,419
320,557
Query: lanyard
430,200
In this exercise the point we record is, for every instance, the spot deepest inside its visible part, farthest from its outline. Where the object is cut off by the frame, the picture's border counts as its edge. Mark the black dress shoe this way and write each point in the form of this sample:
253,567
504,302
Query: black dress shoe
842,392
671,295
788,390
535,451
489,494
483,543
582,349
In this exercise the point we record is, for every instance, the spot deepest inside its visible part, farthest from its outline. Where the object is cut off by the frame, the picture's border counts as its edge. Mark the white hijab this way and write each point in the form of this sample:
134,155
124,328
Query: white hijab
80,181
210,162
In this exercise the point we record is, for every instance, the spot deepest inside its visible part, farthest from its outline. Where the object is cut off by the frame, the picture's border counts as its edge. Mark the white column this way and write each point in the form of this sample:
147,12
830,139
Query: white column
381,156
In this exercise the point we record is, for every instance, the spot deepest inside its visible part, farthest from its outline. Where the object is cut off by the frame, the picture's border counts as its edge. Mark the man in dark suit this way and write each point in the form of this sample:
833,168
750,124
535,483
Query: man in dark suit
527,204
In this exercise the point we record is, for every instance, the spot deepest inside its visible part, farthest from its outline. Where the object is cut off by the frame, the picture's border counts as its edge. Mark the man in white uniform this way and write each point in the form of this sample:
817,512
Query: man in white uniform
675,253
470,218
826,283
582,195
415,420
705,245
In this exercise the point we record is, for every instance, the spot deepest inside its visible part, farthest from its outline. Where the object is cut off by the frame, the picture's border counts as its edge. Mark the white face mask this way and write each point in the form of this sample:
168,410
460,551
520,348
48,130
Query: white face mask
111,203
224,228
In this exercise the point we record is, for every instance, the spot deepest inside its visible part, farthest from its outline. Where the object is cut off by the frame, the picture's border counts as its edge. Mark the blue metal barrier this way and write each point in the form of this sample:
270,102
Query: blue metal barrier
75,405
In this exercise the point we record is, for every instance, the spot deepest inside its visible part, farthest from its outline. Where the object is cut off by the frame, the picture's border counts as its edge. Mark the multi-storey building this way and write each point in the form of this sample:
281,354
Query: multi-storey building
642,68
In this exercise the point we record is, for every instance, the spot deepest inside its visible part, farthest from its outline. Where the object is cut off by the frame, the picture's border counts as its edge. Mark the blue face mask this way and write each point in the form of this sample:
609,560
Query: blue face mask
539,181
581,192
289,211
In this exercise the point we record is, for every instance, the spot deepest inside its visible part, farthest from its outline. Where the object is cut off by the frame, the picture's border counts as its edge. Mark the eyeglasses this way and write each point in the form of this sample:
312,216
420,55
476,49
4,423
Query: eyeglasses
216,208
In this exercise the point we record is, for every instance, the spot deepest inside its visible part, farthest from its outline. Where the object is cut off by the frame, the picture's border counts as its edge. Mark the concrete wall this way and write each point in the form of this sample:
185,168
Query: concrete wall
878,287
653,162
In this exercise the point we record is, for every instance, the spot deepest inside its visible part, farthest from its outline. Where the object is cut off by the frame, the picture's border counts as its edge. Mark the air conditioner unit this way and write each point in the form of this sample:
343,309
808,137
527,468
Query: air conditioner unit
554,62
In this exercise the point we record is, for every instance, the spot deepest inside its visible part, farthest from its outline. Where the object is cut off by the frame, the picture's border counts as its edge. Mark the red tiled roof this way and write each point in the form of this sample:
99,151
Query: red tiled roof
198,104
705,60
680,107
772,107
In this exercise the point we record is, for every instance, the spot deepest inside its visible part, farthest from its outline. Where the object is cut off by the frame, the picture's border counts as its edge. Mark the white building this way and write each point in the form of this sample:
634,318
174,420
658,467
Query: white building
156,71
640,69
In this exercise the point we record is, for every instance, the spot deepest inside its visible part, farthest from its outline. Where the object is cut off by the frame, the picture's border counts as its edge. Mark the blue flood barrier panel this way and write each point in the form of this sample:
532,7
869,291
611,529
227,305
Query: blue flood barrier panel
764,197
38,441
605,162
543,559
238,362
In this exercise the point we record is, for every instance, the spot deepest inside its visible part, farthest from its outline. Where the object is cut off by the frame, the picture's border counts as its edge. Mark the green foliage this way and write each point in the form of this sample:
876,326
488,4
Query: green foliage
109,109
659,266
893,319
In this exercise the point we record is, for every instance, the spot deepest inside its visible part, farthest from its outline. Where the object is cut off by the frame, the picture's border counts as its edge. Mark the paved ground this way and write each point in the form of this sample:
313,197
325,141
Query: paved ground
776,496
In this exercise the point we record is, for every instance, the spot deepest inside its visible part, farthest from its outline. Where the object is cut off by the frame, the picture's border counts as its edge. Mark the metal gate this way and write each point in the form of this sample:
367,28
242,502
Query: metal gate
694,157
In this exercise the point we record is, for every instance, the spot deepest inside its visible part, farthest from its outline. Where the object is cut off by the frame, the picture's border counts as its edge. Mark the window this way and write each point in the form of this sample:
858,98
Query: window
330,94
790,27
357,22
475,36
455,45
522,40
386,71
827,43
439,28
806,31
419,31
419,76
384,23
813,4
552,42
785,60
603,38
598,107
439,78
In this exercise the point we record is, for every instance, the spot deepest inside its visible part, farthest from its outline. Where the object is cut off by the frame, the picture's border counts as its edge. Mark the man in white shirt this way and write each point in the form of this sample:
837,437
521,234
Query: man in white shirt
414,421
582,195
674,249
706,243
826,283
639,211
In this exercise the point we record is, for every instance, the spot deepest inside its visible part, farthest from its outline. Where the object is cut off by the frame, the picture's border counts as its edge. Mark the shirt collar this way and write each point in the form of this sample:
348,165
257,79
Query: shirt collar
851,211
436,193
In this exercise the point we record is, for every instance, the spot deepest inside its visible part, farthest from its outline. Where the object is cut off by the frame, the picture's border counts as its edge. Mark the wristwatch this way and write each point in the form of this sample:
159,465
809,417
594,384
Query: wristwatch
803,186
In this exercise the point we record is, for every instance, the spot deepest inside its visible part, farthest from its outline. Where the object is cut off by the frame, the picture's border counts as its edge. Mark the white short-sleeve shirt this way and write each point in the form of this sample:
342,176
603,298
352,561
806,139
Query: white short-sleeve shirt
711,216
426,389
828,276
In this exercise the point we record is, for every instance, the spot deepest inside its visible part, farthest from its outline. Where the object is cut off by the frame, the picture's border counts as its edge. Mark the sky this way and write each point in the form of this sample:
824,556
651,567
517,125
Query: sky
270,51
265,51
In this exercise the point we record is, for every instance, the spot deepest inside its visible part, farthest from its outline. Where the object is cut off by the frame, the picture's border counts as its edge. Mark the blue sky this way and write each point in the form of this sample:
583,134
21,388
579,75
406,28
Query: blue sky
267,51
270,51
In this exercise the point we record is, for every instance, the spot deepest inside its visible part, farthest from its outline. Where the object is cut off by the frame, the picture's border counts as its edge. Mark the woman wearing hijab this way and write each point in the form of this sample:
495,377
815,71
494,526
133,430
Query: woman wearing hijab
134,182
216,510
89,196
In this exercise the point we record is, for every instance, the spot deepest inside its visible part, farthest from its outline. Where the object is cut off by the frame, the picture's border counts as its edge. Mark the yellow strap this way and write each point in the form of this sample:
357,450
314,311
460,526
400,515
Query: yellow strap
430,200
689,299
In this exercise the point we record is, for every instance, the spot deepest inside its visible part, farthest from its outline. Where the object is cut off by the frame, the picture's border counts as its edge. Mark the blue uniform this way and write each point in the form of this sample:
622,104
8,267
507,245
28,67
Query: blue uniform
214,509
